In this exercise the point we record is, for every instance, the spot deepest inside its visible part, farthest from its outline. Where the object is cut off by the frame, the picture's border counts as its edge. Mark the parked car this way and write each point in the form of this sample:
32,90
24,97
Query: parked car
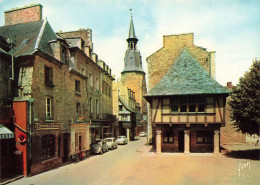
121,140
142,134
99,146
111,143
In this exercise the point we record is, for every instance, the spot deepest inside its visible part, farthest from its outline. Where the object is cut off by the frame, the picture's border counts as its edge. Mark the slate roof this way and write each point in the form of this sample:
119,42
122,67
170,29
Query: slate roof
39,34
125,105
132,61
131,34
186,77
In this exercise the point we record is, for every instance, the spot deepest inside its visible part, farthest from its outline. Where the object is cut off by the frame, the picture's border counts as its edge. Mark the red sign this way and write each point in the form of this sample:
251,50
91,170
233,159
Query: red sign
21,137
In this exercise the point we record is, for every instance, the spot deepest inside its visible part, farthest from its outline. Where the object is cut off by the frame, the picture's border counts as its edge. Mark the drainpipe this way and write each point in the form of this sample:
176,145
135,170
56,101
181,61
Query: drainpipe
30,100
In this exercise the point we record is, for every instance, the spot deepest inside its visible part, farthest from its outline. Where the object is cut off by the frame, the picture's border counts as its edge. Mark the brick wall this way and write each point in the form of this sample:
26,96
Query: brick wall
23,15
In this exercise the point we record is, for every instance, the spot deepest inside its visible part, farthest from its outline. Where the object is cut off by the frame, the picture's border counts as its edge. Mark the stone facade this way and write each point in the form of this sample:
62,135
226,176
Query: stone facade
229,133
71,92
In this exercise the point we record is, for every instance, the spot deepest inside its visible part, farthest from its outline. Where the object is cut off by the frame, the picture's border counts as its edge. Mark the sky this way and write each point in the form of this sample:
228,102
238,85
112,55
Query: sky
229,27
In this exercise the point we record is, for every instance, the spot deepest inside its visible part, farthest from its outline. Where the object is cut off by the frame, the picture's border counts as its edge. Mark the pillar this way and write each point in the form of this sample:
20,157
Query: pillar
216,141
186,141
128,134
158,142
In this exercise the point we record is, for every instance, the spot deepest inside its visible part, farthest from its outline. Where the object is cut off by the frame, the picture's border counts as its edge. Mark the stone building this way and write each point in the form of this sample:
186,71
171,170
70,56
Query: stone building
125,108
55,103
133,75
186,103
7,146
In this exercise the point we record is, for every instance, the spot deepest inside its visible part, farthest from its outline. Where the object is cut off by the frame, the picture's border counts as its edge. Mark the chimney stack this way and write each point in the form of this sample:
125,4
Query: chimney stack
23,15
229,85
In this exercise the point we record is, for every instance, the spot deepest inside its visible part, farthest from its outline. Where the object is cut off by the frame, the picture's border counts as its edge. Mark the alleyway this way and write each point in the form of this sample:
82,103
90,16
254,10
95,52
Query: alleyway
133,164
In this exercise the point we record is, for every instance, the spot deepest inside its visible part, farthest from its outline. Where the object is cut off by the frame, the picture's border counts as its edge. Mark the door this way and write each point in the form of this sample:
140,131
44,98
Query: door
65,147
181,141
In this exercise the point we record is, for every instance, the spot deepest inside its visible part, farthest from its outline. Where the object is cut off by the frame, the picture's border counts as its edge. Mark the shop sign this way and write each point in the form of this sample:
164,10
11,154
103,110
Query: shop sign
94,125
49,126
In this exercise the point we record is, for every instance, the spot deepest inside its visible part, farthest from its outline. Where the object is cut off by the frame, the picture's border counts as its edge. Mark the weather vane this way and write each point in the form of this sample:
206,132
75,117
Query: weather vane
131,12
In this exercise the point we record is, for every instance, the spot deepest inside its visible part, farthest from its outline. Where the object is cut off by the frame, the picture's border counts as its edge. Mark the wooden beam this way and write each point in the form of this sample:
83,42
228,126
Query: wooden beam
158,105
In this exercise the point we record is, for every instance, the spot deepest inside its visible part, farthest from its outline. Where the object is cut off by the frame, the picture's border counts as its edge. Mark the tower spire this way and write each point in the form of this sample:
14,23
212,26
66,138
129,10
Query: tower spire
131,34
133,60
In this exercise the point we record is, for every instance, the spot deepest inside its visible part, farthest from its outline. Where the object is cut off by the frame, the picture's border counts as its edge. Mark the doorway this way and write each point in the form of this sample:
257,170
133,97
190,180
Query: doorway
65,147
181,141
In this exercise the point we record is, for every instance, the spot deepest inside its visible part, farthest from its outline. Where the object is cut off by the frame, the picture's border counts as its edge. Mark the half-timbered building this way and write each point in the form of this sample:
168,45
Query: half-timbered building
187,105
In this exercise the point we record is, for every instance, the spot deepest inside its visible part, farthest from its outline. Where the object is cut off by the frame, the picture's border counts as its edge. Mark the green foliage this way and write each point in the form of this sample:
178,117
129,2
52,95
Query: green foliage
245,101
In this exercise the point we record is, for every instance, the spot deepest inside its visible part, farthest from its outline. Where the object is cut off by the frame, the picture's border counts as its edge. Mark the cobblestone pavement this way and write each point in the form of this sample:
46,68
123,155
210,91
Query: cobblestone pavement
137,164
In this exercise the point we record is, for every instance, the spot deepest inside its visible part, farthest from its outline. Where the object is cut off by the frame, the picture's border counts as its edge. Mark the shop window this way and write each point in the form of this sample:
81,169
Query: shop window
168,137
204,137
49,107
48,73
47,147
77,86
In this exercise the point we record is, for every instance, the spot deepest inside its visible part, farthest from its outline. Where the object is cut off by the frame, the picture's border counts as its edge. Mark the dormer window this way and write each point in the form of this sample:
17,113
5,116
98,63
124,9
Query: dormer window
25,41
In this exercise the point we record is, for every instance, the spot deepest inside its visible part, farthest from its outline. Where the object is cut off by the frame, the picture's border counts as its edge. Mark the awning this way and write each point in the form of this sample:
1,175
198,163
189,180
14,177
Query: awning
5,133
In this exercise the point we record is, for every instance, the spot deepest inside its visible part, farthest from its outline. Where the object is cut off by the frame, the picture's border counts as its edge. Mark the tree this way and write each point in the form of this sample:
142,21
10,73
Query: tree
245,101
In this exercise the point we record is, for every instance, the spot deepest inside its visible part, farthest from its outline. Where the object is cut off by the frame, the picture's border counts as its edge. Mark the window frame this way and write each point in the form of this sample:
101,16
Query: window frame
168,134
48,76
48,108
77,86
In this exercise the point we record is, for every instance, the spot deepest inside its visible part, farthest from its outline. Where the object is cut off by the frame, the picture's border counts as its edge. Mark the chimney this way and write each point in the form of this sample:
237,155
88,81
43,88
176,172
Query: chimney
23,15
229,85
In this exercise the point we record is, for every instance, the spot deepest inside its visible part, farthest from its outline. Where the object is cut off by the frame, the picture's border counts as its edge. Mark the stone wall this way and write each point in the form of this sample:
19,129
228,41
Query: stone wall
229,133
160,61
136,81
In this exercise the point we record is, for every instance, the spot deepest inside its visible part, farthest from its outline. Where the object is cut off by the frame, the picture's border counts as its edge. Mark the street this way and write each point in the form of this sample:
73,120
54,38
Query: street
134,163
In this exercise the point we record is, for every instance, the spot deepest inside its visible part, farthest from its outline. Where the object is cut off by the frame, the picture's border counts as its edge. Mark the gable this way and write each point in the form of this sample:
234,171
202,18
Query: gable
186,77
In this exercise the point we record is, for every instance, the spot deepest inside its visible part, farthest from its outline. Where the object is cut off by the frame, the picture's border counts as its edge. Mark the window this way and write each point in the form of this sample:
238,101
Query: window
48,113
188,104
192,104
168,137
77,86
90,105
97,107
174,105
120,107
97,84
91,81
183,104
64,55
78,109
48,76
25,41
47,147
201,104
204,137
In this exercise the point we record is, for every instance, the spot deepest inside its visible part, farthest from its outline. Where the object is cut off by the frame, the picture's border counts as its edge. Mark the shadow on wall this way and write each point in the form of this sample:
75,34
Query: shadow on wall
244,154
